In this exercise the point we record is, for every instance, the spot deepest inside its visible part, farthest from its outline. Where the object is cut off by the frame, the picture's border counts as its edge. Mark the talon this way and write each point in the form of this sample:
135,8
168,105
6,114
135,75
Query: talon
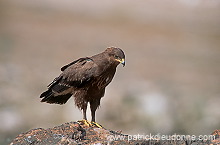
96,124
89,124
85,122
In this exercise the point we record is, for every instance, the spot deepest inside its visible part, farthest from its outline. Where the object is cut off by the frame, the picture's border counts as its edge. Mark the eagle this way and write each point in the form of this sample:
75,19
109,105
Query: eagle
85,79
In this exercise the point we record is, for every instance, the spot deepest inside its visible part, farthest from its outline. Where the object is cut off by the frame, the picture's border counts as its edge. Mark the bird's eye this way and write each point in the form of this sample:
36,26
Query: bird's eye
116,57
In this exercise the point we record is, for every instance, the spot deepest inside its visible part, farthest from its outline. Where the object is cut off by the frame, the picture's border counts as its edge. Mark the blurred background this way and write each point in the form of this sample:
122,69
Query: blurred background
171,82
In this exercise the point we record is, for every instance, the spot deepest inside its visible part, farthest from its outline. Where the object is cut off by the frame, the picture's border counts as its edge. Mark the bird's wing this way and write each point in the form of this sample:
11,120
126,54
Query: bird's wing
75,74
80,72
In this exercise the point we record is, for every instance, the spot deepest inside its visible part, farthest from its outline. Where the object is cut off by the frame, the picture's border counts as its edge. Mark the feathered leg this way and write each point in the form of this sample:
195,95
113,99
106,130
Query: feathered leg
84,110
93,106
85,121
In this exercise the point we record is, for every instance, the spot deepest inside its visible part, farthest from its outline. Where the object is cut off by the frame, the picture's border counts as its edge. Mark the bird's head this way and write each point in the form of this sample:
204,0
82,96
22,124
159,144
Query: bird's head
116,55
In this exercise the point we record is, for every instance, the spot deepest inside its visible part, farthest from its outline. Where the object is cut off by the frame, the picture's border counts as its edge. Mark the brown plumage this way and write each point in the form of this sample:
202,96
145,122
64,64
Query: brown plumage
85,79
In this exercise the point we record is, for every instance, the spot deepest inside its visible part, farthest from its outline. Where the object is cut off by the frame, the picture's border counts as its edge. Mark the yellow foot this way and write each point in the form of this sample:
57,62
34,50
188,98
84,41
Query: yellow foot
96,124
85,122
89,124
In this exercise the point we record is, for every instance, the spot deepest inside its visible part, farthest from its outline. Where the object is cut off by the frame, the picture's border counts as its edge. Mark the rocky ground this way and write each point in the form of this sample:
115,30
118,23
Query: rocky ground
77,133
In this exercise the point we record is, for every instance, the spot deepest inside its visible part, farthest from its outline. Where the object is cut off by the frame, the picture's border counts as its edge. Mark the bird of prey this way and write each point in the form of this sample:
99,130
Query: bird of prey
85,79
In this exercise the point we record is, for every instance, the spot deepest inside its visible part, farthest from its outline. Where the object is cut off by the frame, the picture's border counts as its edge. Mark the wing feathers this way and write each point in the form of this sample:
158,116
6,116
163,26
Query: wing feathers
75,75
62,99
78,60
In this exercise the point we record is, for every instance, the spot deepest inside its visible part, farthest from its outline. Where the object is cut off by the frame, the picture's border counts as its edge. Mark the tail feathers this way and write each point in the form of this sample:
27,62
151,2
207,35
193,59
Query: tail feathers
49,97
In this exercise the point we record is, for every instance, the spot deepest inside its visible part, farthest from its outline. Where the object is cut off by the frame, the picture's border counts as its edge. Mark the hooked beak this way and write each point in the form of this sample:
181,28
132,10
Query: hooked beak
122,61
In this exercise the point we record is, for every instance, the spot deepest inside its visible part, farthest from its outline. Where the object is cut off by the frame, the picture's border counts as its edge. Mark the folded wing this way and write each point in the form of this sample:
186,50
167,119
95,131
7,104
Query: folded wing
77,74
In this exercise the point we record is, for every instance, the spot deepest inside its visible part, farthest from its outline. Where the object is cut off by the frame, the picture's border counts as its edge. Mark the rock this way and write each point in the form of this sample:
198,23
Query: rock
73,133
